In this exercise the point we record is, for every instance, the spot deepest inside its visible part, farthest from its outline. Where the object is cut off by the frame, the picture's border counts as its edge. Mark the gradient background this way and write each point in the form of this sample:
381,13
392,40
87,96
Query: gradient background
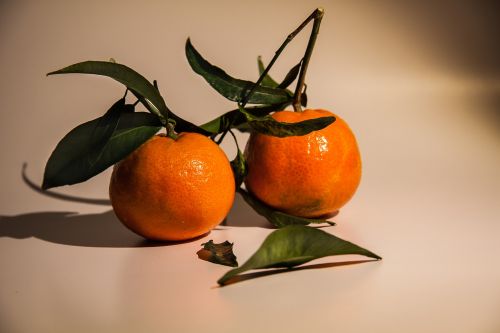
419,83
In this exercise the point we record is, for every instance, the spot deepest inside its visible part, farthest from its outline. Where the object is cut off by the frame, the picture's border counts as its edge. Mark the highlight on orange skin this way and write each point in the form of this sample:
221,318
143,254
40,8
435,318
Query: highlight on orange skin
310,176
173,189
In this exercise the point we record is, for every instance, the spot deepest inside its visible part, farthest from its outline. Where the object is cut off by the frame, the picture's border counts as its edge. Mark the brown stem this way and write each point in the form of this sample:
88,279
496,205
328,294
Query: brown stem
317,15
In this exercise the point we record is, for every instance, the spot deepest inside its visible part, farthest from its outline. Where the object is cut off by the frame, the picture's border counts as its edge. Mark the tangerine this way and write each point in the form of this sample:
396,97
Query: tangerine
309,176
173,189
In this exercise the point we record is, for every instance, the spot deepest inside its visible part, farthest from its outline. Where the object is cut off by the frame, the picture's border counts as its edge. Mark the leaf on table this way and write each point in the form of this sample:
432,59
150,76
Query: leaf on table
125,75
79,156
229,87
218,253
277,218
269,126
295,245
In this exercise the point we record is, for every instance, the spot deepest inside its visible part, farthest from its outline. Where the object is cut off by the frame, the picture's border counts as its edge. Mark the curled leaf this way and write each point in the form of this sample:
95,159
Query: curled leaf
229,87
269,126
295,245
125,75
221,253
277,218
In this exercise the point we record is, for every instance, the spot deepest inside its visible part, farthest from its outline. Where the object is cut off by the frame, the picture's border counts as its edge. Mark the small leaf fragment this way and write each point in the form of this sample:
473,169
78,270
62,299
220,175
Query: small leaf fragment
269,126
295,245
277,218
221,253
229,87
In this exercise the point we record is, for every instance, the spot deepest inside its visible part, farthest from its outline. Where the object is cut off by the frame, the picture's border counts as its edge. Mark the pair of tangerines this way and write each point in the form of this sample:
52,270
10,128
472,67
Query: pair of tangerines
177,189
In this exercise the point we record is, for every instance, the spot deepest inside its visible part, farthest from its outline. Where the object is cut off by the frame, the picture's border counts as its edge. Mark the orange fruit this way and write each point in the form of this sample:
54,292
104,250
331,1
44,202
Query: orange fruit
310,176
173,189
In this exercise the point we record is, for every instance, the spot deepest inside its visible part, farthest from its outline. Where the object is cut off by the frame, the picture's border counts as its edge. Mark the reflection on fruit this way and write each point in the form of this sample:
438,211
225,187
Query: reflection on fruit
309,176
173,189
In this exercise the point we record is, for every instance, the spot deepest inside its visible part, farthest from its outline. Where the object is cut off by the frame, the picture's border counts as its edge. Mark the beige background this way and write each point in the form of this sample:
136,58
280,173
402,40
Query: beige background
418,83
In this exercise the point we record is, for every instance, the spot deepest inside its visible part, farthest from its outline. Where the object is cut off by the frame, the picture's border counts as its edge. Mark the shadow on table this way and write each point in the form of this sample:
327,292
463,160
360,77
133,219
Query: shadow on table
250,276
92,230
97,230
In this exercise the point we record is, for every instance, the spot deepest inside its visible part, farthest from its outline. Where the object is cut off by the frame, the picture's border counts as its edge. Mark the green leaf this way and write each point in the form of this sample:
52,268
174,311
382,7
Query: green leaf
181,125
239,166
229,87
104,129
295,245
236,118
125,75
267,81
290,76
70,162
218,253
276,218
269,126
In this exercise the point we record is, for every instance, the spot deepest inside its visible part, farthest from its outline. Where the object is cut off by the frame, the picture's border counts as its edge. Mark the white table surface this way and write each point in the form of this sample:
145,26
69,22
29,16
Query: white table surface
429,201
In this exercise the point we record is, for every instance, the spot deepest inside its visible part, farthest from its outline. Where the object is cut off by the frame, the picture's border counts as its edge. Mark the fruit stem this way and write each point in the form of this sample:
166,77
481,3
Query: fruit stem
317,15
171,129
297,96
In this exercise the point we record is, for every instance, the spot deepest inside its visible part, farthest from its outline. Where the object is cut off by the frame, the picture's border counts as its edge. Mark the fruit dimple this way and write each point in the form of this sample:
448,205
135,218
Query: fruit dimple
311,175
173,190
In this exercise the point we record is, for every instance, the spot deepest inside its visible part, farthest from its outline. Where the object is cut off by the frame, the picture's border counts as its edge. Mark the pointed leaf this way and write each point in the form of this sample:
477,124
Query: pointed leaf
290,76
70,162
276,218
218,253
236,118
267,81
239,166
104,129
229,87
295,245
181,125
123,74
269,126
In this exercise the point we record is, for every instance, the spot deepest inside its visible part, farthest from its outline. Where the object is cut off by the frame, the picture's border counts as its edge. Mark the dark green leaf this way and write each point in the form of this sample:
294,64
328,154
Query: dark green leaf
276,218
104,129
290,76
267,81
218,253
269,126
181,125
239,166
229,87
70,162
295,245
125,75
236,118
